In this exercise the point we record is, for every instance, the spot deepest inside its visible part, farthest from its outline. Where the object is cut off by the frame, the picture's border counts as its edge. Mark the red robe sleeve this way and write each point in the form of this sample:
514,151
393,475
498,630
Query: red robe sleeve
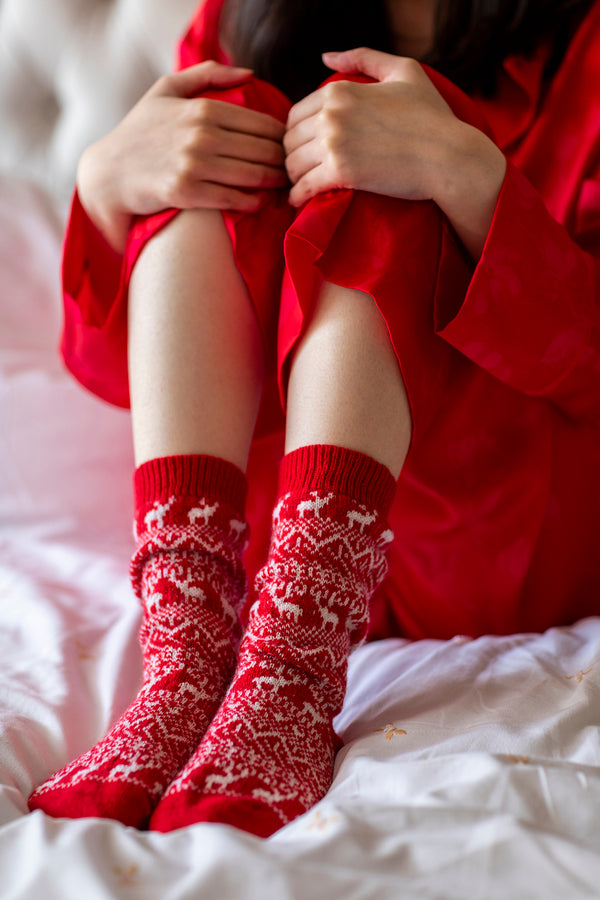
529,313
93,341
531,308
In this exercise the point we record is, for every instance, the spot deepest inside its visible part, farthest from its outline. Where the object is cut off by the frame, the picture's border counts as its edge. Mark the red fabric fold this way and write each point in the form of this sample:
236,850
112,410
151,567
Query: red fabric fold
557,353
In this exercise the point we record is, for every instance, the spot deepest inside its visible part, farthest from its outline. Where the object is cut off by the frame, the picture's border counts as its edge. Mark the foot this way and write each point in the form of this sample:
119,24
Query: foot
189,577
268,756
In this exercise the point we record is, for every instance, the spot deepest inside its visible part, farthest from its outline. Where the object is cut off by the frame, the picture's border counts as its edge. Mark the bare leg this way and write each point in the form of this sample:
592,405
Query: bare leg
268,755
196,365
345,385
196,362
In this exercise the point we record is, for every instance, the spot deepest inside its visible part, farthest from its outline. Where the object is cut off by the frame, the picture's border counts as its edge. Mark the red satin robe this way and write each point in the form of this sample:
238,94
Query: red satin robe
497,513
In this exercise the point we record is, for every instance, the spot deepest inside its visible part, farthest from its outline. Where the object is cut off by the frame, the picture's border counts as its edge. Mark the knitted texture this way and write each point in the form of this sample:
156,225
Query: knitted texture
188,575
268,756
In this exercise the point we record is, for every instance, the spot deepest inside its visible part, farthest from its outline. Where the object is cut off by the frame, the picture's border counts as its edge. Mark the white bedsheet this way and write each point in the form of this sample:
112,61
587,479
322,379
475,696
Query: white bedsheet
471,768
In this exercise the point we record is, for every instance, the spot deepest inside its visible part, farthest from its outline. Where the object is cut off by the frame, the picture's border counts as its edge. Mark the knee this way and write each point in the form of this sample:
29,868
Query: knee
189,256
349,312
181,236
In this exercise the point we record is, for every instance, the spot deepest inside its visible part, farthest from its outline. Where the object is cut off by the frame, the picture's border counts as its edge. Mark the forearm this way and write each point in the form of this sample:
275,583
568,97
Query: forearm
468,184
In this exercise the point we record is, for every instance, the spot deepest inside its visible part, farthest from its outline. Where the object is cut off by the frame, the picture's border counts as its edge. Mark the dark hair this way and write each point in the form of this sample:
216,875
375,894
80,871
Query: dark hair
282,40
471,54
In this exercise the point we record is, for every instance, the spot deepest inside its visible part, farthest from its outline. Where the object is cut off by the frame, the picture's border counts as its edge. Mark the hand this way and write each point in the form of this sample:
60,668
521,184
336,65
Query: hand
175,150
397,137
385,137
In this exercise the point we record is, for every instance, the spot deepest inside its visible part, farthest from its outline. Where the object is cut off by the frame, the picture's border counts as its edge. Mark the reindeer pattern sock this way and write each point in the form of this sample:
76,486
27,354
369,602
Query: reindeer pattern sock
268,755
187,573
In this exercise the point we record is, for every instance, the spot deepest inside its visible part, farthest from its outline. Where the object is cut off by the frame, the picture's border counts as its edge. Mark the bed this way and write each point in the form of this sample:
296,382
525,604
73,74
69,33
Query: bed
471,768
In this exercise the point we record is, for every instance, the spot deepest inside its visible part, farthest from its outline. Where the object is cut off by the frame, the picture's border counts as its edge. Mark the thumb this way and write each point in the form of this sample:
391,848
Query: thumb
196,78
374,63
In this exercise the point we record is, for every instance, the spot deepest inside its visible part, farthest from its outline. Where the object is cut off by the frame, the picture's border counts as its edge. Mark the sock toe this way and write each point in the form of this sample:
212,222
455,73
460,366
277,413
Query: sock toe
245,813
128,804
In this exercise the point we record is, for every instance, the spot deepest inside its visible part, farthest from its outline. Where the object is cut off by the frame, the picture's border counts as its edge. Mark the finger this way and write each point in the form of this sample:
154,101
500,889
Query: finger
219,196
305,108
302,160
189,81
316,181
241,174
299,134
247,121
248,148
373,63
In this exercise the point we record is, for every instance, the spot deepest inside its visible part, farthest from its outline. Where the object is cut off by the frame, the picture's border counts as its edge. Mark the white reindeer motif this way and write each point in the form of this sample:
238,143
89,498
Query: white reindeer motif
329,617
386,537
362,518
291,609
237,527
153,601
325,612
158,513
204,512
314,506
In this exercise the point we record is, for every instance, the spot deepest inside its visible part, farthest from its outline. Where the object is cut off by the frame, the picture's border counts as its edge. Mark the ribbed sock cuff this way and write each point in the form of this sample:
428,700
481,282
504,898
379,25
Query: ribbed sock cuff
328,468
190,476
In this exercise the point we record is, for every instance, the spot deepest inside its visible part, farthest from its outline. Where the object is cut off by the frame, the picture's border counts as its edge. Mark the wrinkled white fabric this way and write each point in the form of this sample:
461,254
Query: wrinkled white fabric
471,768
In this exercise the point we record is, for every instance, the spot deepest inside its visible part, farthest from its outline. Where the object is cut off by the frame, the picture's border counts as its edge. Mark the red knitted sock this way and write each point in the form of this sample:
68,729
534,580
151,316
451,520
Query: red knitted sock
268,755
188,574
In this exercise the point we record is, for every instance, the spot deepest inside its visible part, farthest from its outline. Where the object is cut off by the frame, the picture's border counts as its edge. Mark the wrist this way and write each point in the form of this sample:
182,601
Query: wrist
468,183
97,195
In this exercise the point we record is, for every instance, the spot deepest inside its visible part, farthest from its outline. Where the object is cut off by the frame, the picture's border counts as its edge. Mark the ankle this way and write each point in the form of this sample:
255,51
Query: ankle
326,467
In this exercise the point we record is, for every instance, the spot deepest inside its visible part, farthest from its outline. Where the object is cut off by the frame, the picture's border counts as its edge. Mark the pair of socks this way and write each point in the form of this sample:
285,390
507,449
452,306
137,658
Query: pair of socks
208,739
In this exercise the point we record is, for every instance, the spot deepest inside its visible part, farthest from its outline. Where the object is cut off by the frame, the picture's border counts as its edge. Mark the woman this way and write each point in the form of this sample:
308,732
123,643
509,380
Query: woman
437,357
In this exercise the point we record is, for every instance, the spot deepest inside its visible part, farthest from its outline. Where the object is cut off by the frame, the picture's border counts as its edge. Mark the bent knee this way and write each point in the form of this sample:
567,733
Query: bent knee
188,235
